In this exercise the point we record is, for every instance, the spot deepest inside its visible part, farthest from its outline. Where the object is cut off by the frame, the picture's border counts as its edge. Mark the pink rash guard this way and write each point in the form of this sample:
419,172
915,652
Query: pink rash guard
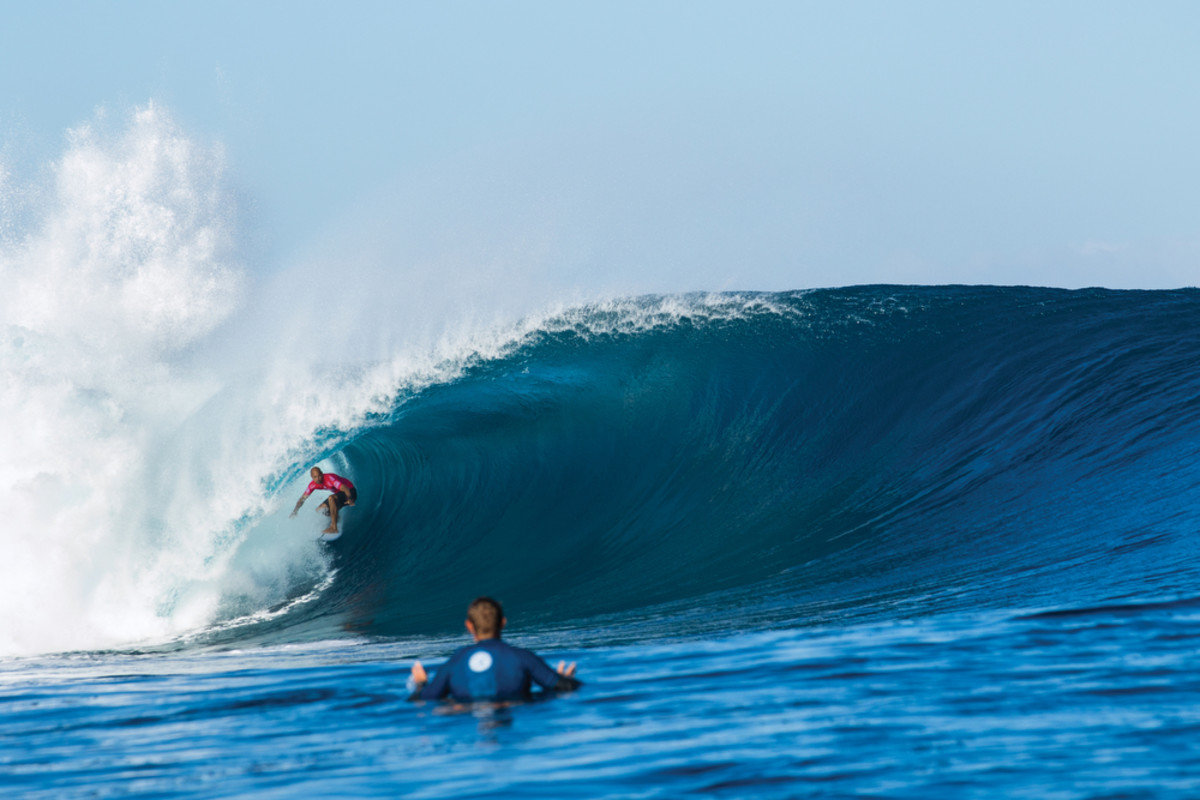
330,483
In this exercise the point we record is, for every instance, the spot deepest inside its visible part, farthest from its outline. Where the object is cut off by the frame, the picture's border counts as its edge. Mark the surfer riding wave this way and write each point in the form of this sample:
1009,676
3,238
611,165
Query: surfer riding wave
344,494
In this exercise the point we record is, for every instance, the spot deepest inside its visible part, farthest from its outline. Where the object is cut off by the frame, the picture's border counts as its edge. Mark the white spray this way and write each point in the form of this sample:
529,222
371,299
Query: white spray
118,510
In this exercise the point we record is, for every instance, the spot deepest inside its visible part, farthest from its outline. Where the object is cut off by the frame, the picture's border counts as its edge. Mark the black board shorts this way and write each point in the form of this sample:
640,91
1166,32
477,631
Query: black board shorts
340,498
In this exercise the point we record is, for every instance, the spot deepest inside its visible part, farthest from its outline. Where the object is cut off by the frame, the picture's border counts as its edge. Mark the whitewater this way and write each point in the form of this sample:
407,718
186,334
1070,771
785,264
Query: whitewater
883,541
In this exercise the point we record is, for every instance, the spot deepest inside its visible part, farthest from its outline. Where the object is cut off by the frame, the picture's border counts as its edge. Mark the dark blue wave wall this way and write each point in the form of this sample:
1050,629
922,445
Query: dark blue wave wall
877,450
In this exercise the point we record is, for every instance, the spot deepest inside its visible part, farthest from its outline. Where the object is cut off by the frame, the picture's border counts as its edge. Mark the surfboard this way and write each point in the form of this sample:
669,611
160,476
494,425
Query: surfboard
329,537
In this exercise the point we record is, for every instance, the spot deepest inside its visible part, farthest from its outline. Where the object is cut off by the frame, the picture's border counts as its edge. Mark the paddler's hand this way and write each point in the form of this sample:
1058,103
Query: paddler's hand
419,676
565,670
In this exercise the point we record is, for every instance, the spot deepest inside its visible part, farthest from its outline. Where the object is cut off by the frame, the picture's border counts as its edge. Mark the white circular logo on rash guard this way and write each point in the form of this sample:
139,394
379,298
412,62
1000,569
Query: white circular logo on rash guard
480,662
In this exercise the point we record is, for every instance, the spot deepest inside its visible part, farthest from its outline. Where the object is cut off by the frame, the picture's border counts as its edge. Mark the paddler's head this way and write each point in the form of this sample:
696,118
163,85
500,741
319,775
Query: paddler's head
316,473
485,619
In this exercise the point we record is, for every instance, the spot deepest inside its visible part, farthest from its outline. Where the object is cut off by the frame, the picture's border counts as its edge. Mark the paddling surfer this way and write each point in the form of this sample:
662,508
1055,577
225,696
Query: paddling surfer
490,669
344,494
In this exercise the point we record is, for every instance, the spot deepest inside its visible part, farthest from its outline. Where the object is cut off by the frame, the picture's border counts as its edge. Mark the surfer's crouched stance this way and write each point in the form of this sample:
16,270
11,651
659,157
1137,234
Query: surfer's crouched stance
344,494
490,669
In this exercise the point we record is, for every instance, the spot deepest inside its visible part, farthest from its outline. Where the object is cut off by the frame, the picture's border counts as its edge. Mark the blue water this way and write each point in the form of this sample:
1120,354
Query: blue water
879,541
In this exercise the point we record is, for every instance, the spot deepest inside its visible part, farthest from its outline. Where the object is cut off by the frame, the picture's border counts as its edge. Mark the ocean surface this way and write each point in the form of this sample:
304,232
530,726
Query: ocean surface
882,541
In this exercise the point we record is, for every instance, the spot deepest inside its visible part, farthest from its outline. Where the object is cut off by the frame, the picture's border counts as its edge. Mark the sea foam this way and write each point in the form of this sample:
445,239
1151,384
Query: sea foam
122,498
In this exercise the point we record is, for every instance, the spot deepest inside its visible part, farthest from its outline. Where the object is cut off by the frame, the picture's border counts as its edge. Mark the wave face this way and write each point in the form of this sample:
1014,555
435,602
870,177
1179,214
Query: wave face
734,461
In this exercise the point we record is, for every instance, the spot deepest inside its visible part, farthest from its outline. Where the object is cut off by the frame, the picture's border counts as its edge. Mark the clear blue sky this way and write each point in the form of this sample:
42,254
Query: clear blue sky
668,145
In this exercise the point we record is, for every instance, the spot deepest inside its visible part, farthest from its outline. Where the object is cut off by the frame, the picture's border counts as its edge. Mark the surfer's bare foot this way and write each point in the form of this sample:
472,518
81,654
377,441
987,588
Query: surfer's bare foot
329,530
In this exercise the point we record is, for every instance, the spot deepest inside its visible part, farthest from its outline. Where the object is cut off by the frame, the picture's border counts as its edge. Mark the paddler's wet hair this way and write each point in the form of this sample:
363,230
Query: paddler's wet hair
487,617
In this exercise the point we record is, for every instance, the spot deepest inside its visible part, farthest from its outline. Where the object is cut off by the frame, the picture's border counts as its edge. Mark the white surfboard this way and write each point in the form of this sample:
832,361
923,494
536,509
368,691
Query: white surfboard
329,537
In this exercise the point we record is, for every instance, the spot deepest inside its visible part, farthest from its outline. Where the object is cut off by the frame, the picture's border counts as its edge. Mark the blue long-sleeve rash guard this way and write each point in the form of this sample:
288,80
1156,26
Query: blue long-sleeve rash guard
491,669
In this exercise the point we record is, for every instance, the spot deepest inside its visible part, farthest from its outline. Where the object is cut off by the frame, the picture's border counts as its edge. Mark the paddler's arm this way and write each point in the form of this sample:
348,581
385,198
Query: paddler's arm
567,682
417,681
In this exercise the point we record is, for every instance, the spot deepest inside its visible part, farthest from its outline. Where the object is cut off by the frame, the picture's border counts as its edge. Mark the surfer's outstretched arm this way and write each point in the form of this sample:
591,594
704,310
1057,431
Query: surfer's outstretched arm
300,501
317,482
